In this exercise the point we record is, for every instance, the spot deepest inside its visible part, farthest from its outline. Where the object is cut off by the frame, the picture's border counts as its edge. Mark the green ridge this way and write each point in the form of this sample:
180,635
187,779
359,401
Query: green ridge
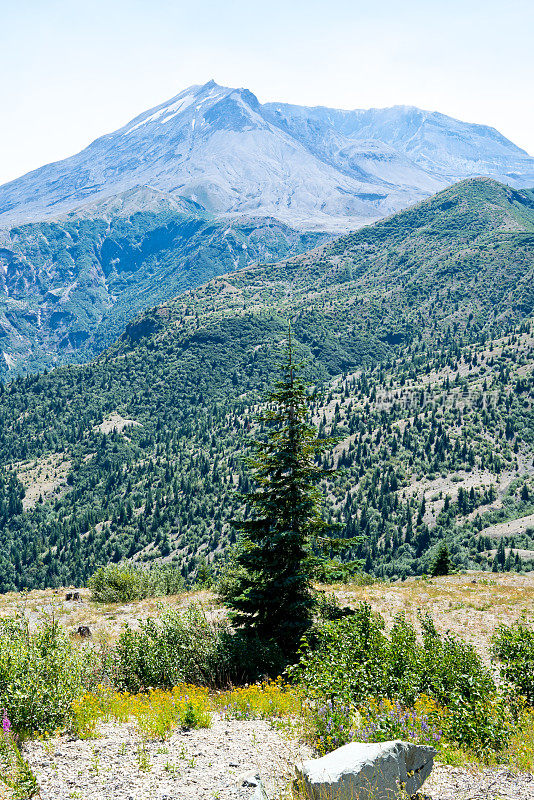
417,333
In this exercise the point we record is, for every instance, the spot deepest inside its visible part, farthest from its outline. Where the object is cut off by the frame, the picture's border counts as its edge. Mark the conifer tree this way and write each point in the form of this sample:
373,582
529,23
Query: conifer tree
442,563
271,591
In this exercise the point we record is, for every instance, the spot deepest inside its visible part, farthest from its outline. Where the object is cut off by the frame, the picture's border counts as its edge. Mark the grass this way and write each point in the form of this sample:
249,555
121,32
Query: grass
492,597
104,619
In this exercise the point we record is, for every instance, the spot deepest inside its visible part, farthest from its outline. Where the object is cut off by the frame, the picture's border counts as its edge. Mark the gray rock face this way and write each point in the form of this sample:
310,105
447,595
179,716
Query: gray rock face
360,771
441,145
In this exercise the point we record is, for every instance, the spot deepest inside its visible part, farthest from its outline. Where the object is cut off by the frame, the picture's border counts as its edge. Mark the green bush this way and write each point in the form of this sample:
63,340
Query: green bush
41,673
482,726
187,647
348,664
353,659
513,646
345,659
121,583
449,667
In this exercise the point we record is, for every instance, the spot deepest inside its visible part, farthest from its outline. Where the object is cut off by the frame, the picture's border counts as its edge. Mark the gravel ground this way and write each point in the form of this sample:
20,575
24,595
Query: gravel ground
215,764
202,764
455,783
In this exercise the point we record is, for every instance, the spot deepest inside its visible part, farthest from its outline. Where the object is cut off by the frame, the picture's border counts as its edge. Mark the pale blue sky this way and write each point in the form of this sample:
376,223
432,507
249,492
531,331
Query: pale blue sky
71,71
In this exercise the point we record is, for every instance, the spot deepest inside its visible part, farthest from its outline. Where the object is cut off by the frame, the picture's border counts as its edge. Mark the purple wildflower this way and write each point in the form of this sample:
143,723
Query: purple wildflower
6,724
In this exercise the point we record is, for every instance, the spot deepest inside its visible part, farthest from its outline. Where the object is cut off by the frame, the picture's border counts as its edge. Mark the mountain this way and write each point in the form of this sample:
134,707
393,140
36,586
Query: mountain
417,334
219,150
70,287
441,145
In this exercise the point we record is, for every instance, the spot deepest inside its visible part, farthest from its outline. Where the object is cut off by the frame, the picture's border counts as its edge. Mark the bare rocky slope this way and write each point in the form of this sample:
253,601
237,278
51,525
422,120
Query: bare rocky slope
218,149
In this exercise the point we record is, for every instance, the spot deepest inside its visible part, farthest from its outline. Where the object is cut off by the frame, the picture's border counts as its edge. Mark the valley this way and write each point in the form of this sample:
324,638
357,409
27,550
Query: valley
69,288
417,335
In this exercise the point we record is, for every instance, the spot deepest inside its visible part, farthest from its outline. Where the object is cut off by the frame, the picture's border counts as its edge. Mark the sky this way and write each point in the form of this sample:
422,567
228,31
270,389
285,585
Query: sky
72,71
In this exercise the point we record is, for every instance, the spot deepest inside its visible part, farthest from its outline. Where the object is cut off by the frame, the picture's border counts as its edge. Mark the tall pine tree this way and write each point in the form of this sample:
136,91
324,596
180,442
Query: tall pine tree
271,589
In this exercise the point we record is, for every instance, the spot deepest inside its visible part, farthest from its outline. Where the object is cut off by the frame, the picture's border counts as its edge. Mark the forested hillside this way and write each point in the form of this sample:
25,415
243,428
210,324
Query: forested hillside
70,287
416,332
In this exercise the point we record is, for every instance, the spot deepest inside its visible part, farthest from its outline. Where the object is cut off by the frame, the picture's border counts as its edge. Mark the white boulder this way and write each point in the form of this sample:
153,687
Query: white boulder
361,771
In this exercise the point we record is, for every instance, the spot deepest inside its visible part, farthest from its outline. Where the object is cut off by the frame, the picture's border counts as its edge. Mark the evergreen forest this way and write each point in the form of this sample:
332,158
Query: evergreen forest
416,338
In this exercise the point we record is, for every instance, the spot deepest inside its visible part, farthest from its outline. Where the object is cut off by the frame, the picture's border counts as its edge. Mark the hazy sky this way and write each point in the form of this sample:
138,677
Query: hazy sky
73,70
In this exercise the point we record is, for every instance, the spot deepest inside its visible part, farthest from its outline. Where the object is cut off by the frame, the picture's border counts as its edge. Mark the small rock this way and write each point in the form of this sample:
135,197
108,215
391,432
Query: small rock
259,792
249,779
84,631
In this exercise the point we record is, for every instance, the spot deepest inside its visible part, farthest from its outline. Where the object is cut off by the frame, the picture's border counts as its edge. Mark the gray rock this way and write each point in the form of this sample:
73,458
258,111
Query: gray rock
360,771
251,780
259,792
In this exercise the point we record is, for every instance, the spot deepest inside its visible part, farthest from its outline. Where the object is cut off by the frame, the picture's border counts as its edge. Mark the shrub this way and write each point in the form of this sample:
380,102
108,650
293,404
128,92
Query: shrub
350,667
451,667
41,673
187,647
344,659
483,726
121,583
15,773
352,659
520,754
513,646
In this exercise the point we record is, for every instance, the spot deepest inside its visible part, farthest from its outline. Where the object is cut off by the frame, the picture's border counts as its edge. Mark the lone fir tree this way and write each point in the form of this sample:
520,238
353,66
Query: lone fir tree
442,562
271,590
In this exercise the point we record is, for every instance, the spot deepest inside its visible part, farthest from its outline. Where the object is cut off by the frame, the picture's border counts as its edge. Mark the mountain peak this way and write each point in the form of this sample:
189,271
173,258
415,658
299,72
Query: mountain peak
220,149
